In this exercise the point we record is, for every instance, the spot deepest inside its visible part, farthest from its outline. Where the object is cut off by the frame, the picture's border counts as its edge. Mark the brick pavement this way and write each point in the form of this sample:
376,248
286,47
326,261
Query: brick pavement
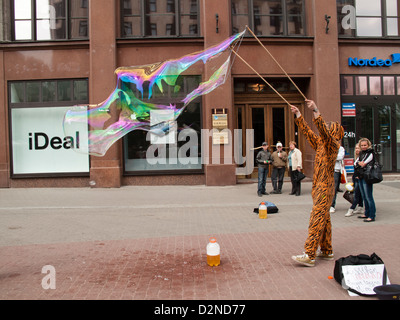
149,243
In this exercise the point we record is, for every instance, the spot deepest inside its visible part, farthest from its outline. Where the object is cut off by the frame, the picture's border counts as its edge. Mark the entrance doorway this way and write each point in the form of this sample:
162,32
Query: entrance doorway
271,123
257,107
375,122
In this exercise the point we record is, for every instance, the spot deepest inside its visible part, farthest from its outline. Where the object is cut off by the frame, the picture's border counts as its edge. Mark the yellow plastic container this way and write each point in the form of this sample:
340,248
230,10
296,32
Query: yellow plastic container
213,253
262,211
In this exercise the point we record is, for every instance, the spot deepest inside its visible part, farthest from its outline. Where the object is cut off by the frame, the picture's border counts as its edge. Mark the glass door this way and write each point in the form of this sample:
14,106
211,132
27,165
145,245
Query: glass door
374,122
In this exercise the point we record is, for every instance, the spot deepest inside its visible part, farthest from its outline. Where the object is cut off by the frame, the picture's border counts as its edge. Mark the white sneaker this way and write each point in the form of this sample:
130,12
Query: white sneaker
304,260
359,210
332,210
349,213
324,256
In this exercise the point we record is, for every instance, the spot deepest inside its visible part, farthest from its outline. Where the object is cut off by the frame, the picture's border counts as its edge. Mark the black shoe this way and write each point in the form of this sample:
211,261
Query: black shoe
259,194
274,192
292,193
297,194
279,192
265,193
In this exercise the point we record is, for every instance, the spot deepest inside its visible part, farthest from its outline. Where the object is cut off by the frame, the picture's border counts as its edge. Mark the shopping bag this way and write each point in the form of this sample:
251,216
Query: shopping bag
343,176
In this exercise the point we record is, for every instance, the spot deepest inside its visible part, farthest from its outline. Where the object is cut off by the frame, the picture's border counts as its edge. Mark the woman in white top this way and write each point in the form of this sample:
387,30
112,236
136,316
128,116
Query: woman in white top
295,166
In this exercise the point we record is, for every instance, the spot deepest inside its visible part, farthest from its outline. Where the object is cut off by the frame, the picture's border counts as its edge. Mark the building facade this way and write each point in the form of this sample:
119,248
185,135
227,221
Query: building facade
56,54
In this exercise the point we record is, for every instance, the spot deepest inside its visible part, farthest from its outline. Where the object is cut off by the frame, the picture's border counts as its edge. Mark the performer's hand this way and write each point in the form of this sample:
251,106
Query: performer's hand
313,107
295,110
311,104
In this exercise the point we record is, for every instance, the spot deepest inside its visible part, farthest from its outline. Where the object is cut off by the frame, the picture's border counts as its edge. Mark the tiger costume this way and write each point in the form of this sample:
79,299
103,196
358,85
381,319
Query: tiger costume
326,145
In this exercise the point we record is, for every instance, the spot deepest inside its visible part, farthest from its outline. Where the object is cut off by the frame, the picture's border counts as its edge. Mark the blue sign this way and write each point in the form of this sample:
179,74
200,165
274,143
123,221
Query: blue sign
374,62
348,109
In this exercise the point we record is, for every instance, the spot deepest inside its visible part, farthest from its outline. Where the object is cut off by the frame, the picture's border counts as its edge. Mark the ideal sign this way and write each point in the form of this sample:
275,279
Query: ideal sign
374,62
39,144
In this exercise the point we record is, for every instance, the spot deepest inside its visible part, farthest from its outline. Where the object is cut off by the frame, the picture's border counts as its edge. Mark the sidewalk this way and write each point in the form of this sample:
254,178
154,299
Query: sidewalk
149,242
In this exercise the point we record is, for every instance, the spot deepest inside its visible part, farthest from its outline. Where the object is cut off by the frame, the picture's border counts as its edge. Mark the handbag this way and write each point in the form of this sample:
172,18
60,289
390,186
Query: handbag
373,173
349,196
300,176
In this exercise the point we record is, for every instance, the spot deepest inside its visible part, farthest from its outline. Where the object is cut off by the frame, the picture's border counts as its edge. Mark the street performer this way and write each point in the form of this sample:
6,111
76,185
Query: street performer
326,145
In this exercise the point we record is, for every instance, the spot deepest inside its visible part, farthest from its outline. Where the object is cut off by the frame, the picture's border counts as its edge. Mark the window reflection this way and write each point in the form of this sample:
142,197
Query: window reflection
361,85
368,8
347,85
369,27
388,85
269,17
375,86
50,19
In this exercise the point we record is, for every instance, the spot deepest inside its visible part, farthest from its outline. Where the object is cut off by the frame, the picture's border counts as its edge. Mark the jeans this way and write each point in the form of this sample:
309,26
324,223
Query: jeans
262,178
366,192
358,200
337,177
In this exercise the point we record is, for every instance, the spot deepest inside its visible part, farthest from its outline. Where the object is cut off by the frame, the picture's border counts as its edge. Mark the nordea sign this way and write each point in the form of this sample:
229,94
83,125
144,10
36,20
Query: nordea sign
374,62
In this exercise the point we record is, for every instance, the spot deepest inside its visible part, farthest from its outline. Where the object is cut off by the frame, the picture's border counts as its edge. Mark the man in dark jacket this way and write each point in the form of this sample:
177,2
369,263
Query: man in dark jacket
263,160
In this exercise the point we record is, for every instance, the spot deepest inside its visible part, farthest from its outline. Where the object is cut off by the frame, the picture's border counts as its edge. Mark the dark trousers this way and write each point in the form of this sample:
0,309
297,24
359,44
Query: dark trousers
296,185
337,175
277,178
358,200
262,179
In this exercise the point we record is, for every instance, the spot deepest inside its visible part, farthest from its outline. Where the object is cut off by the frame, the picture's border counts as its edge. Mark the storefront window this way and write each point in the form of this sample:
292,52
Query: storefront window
39,146
177,151
269,17
372,111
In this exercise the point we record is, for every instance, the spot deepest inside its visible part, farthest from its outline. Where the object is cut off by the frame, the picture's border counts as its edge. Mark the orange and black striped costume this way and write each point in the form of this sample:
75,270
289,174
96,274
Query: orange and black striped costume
326,145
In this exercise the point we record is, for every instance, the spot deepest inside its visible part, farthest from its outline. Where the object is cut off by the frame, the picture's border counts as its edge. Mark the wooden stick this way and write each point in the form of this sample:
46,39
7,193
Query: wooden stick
277,63
260,76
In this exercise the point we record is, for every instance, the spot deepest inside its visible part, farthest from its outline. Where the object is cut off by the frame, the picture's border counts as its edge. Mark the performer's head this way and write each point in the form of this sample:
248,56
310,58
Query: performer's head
265,145
336,130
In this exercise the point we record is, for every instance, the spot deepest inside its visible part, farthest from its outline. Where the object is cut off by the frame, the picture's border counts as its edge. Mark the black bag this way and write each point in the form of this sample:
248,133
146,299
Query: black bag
356,260
271,207
349,196
299,176
373,173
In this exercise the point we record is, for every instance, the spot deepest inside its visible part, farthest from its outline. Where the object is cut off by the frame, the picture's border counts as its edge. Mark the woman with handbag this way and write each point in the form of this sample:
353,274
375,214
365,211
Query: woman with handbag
366,158
295,166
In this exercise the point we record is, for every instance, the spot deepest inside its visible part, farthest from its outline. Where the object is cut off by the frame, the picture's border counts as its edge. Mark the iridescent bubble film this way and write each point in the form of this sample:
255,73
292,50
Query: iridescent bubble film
133,110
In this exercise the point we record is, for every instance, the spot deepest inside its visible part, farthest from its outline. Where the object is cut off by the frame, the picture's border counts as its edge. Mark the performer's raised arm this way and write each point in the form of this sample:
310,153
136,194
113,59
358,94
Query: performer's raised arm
304,127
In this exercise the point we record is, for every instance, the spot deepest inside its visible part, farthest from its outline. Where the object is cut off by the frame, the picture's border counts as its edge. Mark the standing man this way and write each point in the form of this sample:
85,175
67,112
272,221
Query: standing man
326,145
263,160
279,159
